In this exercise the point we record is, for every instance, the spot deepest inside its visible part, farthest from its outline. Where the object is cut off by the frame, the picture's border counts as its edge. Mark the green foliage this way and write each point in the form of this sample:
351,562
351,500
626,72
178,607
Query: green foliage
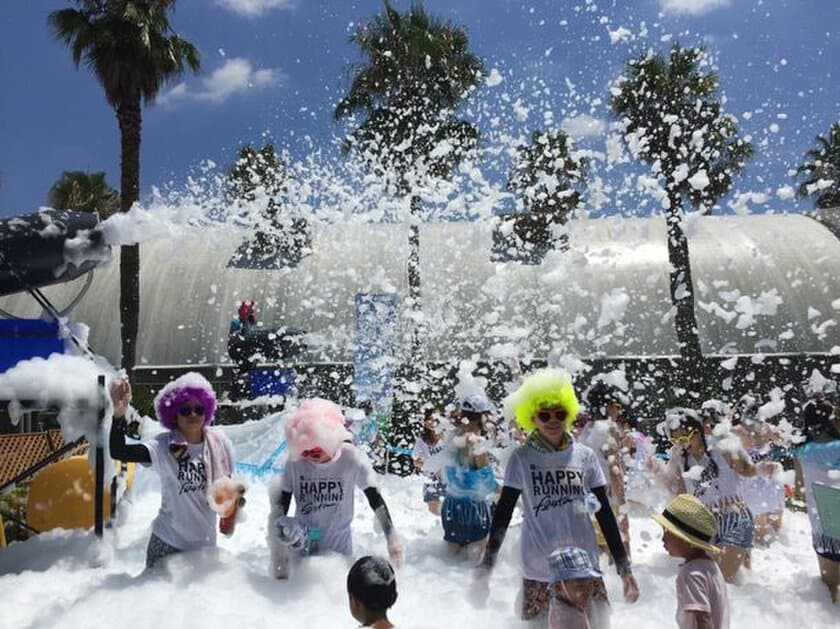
88,192
416,69
821,169
13,503
279,238
672,116
127,44
548,180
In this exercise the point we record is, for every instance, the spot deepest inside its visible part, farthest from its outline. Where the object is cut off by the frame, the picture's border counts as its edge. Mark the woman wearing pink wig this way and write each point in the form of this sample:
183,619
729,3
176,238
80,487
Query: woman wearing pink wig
189,457
321,473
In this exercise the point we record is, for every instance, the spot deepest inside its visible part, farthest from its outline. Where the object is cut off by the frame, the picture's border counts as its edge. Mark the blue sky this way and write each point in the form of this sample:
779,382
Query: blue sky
275,69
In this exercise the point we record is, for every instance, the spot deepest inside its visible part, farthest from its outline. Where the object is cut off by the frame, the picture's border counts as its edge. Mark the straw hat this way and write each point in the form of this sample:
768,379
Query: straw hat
689,519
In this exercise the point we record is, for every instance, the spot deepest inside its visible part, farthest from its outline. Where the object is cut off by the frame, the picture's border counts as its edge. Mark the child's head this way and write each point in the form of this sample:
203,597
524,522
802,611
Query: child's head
315,430
688,527
572,574
371,589
546,401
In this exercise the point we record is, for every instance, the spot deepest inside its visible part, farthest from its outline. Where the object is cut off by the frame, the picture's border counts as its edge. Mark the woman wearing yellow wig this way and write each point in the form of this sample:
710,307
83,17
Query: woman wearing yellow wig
557,478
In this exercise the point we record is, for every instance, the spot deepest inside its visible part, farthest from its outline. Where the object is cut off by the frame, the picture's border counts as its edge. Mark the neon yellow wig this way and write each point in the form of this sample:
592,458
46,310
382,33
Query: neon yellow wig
542,389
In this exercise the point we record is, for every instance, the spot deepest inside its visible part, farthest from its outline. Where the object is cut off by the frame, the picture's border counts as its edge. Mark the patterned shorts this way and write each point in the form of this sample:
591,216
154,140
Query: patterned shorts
536,596
735,528
157,550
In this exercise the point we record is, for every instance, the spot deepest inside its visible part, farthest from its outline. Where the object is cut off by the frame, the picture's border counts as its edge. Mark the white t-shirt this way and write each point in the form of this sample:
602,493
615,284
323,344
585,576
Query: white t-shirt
324,494
700,481
423,450
701,588
554,487
185,519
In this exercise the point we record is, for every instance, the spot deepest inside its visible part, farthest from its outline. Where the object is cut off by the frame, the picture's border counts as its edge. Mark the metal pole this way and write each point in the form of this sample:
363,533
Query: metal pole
99,477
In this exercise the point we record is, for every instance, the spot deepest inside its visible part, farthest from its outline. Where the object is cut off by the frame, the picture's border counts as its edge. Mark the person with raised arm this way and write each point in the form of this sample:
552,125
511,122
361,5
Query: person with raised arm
194,462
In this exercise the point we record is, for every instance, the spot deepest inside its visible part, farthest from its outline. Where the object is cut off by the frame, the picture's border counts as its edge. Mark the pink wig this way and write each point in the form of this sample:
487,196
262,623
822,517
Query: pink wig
176,393
316,423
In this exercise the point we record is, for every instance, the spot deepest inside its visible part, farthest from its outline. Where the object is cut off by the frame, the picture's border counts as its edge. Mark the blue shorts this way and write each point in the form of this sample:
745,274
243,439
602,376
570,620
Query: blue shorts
465,520
735,528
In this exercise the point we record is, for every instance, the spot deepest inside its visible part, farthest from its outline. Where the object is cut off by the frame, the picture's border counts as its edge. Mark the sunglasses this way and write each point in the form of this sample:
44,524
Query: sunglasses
313,453
545,416
186,411
684,438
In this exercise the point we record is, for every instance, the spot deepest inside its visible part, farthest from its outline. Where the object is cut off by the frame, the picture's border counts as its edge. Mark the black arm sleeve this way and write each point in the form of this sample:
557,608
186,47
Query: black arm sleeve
120,450
609,527
377,503
501,520
285,501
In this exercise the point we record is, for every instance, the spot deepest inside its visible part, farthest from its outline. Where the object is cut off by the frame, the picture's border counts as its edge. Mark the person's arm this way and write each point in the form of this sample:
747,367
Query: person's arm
499,525
741,462
380,509
285,502
120,450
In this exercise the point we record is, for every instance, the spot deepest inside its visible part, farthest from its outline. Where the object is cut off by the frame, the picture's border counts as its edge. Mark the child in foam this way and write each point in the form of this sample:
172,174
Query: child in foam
428,443
688,529
321,474
469,479
573,583
556,476
372,591
192,459
712,472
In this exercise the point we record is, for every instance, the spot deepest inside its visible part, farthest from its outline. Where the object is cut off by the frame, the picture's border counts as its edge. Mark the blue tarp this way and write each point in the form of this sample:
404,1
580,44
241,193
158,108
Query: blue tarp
26,338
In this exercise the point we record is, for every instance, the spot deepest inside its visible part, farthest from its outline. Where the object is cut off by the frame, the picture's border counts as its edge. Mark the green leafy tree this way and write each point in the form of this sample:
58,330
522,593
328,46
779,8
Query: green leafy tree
672,115
278,239
131,49
88,192
548,180
821,170
416,70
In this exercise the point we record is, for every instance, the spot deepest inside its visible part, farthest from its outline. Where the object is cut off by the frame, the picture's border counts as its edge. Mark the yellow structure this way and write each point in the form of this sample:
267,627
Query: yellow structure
62,495
2,533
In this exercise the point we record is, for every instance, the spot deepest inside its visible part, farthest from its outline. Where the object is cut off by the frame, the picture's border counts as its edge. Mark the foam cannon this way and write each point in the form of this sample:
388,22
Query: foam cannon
38,250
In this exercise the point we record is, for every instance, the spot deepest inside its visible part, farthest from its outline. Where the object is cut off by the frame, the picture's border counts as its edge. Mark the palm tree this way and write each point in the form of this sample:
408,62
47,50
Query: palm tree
416,70
131,49
671,111
548,180
822,170
88,192
278,240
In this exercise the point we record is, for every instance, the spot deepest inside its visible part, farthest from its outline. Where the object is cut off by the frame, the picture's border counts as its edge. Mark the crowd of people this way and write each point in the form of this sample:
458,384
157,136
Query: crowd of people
574,467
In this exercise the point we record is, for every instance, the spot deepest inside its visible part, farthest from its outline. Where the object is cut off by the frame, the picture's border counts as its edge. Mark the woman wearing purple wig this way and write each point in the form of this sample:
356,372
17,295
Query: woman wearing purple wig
189,457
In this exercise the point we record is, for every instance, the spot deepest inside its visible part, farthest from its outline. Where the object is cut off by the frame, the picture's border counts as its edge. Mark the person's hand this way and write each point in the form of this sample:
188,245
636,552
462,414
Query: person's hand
121,396
631,588
395,551
770,468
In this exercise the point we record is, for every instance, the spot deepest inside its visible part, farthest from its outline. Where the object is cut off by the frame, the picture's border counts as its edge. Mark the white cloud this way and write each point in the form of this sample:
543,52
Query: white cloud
236,75
693,7
255,8
583,126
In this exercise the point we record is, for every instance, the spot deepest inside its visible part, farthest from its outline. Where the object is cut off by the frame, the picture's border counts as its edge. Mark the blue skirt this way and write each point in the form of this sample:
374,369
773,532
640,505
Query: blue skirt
735,528
465,520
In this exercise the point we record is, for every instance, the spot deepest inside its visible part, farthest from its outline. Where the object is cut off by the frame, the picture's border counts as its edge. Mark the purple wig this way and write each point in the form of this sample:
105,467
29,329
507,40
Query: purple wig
179,391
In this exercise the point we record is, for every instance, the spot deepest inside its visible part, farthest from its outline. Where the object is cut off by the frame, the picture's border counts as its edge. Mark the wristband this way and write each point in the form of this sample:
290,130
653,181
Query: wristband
623,566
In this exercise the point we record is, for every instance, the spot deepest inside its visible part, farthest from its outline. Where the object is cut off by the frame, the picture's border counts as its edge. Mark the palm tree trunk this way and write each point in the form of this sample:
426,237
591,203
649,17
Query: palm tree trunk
130,121
682,295
414,276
